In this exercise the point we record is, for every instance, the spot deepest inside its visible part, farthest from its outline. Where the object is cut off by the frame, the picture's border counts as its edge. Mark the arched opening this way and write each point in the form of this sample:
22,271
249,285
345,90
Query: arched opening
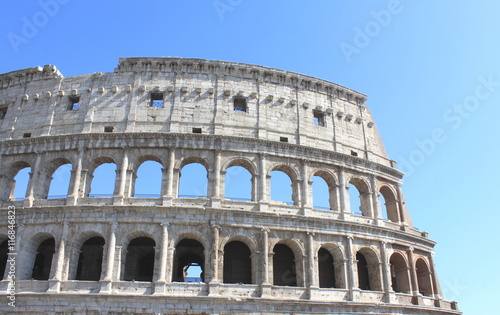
400,277
90,260
237,263
238,184
359,197
193,181
59,185
139,263
284,269
326,269
148,181
189,254
4,255
103,181
369,276
20,185
363,274
282,188
389,202
424,278
321,194
43,260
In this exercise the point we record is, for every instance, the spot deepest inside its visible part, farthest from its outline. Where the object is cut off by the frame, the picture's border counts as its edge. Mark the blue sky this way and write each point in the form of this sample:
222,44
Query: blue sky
431,72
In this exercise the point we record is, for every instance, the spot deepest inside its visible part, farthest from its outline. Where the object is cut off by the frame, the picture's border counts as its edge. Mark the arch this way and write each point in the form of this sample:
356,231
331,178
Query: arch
43,260
239,184
17,181
103,178
90,259
324,190
359,196
188,252
139,261
193,178
400,277
148,182
423,277
284,268
4,255
368,265
60,177
390,203
326,270
281,177
237,263
339,267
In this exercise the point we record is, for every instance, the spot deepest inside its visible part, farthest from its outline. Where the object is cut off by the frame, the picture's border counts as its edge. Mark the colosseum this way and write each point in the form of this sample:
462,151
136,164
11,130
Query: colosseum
125,252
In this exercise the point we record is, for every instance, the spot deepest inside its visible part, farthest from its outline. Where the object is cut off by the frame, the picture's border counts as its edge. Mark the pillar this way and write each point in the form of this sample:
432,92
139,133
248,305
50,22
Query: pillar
263,191
377,214
350,268
106,283
413,271
216,182
306,188
214,283
75,185
121,179
162,270
344,207
265,285
55,281
386,274
169,179
435,282
33,181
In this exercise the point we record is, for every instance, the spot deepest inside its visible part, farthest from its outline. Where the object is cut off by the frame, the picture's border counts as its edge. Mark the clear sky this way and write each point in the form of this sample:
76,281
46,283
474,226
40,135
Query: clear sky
431,71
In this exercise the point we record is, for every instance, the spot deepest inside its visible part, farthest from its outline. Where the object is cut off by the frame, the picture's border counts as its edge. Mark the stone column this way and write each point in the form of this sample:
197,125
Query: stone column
265,285
55,281
306,188
403,213
344,206
386,274
76,175
413,271
31,191
377,211
121,181
216,182
312,276
106,283
350,268
435,282
263,190
214,283
162,270
169,179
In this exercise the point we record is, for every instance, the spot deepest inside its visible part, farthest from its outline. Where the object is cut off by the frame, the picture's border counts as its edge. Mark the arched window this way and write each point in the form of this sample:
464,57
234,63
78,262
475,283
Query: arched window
399,274
363,274
321,193
148,182
59,185
284,270
43,260
369,276
21,181
193,181
4,255
359,197
424,278
326,269
139,263
282,187
389,203
237,263
189,261
103,182
238,184
90,260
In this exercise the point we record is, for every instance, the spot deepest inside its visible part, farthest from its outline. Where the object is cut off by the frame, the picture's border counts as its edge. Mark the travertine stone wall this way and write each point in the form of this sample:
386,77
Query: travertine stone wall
382,266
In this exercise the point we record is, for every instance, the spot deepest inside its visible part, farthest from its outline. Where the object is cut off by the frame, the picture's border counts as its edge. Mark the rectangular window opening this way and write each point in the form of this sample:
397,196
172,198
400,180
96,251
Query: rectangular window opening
196,130
240,104
354,153
319,118
109,129
284,139
27,135
157,100
74,103
3,112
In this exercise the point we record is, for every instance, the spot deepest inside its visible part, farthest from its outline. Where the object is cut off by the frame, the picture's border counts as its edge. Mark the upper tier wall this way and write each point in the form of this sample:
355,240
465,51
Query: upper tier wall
281,106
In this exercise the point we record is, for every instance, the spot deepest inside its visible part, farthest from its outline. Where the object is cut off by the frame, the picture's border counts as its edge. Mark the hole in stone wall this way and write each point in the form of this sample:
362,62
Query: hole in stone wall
240,104
326,269
196,130
321,194
3,112
284,273
4,251
319,118
238,184
363,275
283,139
21,181
354,153
193,181
281,187
90,260
109,129
43,260
103,181
73,102
156,100
139,263
237,263
189,261
27,135
148,181
59,184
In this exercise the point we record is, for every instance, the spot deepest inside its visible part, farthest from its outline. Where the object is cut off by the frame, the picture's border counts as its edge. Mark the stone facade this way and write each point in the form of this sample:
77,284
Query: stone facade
122,254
